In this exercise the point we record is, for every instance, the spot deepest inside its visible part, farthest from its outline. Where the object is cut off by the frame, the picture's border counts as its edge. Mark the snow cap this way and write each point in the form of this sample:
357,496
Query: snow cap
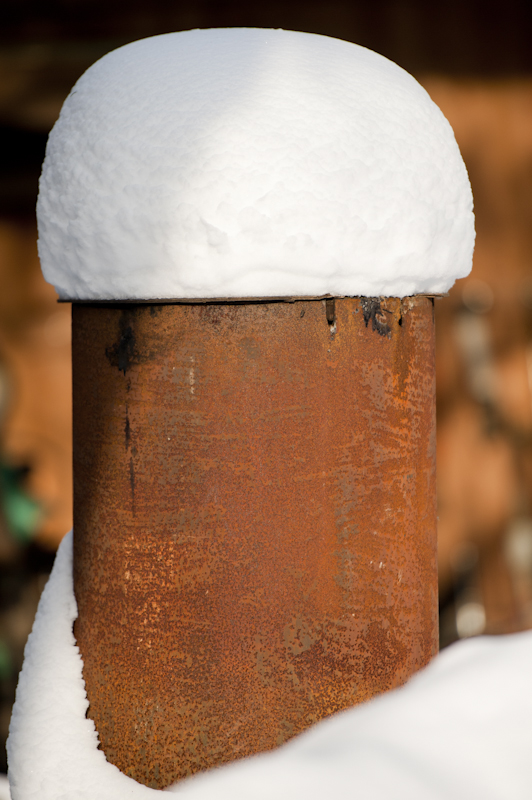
251,163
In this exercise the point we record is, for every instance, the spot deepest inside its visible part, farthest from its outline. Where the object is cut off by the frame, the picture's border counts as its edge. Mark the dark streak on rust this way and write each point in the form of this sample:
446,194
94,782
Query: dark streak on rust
372,310
330,311
123,353
127,430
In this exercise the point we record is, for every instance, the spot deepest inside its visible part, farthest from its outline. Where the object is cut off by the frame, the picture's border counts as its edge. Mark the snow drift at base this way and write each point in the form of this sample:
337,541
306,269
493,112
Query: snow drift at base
459,730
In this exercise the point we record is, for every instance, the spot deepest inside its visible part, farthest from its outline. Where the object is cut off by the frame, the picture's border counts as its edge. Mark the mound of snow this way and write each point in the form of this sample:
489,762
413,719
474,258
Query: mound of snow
4,788
52,748
459,730
251,163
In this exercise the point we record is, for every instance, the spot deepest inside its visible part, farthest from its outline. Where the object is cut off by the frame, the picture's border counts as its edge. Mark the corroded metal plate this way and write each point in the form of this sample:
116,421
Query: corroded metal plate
254,514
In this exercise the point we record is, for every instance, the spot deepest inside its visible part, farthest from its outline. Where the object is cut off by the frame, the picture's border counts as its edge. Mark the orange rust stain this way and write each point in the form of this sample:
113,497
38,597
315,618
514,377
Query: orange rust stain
255,530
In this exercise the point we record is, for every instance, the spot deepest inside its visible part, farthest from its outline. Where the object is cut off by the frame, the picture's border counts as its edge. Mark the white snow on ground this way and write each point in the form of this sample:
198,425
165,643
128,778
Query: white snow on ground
4,788
460,730
248,163
52,747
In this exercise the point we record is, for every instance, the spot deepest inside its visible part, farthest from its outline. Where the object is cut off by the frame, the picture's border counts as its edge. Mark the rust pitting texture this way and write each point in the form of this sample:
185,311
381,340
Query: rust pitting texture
254,511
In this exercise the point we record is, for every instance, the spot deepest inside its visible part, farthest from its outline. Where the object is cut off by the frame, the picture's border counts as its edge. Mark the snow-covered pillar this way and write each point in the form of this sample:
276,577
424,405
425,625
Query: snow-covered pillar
250,224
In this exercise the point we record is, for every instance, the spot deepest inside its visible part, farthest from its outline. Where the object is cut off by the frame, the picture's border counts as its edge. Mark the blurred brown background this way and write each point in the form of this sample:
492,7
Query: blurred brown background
475,60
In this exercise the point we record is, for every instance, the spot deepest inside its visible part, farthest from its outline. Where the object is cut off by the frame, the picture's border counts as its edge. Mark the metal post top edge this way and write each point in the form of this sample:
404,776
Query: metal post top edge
228,300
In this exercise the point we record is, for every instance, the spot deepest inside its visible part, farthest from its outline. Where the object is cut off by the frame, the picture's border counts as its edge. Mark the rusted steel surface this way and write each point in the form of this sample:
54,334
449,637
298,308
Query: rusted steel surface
254,512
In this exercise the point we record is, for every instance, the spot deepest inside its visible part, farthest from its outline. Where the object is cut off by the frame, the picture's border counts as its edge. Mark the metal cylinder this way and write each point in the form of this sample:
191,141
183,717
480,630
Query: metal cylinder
254,519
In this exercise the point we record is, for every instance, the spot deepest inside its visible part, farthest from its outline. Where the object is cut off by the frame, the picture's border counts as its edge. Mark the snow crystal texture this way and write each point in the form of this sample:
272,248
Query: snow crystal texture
459,730
251,163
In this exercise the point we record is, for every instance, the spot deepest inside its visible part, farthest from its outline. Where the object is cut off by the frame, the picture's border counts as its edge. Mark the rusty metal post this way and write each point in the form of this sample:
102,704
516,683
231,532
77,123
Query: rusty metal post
254,516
